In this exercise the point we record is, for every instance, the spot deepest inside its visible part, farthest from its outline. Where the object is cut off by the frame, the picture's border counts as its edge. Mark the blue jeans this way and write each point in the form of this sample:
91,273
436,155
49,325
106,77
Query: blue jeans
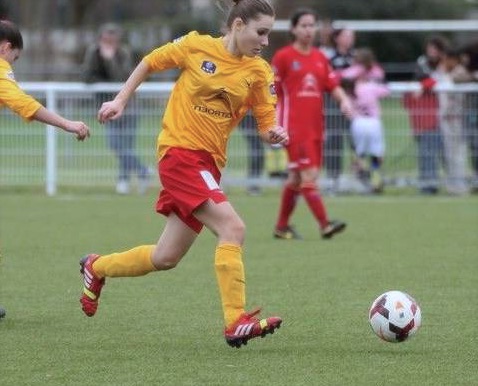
337,131
430,155
255,159
121,137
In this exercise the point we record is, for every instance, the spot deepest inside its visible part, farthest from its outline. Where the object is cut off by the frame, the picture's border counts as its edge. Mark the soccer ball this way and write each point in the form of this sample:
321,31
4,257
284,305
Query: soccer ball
395,316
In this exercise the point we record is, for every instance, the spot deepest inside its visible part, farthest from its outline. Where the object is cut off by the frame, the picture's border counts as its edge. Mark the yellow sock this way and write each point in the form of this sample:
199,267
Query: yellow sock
135,262
231,281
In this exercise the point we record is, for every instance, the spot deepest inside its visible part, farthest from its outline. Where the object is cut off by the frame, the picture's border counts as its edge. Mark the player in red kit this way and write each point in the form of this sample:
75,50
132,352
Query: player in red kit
302,76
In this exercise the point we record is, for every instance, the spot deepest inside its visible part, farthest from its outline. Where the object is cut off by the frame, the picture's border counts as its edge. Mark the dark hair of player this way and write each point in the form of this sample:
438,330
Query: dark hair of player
9,32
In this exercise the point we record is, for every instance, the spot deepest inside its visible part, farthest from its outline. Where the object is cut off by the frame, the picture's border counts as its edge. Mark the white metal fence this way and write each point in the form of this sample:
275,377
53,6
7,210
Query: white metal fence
32,156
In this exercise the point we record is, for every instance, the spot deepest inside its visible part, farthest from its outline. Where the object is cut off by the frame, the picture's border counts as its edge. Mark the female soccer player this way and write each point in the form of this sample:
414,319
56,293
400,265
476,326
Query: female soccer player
302,75
11,96
221,78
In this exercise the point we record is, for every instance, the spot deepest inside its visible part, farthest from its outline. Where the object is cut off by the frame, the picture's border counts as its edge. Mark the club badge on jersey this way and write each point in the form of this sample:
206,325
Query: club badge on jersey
208,67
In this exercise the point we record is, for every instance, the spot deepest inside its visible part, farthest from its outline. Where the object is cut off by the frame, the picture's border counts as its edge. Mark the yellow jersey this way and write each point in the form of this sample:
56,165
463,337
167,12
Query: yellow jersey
12,96
212,94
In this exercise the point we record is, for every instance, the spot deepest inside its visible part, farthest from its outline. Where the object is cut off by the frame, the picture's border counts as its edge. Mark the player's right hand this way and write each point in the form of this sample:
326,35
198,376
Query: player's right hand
110,110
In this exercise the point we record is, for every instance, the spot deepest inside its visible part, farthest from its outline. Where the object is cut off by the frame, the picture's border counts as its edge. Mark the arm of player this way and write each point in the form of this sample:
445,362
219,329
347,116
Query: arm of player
79,129
344,101
113,109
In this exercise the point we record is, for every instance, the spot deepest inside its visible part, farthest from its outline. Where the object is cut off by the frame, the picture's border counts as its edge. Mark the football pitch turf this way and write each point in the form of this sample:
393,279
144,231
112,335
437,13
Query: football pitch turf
166,328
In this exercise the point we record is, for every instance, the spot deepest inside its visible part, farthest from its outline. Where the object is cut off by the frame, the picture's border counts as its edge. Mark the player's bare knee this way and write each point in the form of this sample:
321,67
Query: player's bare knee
165,265
233,231
165,262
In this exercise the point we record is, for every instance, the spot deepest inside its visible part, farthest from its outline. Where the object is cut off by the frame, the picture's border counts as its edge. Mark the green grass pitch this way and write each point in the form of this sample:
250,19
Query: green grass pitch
166,328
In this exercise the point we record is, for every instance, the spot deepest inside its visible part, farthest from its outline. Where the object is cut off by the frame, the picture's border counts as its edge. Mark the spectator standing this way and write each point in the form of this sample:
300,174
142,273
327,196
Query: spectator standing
427,64
108,60
470,54
366,88
422,110
364,67
336,123
302,76
326,38
364,82
255,159
451,71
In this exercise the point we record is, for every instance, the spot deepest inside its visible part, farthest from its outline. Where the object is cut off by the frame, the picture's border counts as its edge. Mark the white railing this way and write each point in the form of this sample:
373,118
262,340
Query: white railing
30,157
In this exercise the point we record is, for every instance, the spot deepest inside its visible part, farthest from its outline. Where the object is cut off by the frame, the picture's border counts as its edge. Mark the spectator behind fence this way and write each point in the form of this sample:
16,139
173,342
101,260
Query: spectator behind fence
364,66
470,58
302,76
12,97
108,60
337,124
363,83
422,110
427,64
255,159
451,71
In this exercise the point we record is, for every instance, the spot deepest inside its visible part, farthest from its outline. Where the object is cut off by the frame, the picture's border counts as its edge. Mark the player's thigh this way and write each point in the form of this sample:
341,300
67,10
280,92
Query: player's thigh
174,242
222,220
309,174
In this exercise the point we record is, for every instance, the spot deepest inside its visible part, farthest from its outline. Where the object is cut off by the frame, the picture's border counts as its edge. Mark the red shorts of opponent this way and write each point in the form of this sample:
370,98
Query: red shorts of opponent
305,155
189,178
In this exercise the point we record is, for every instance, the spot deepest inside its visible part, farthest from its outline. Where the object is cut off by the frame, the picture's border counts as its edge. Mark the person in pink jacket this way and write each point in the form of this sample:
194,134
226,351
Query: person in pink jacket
365,88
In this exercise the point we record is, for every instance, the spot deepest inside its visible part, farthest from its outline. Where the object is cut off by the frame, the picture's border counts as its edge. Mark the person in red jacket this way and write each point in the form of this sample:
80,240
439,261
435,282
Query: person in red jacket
302,77
423,114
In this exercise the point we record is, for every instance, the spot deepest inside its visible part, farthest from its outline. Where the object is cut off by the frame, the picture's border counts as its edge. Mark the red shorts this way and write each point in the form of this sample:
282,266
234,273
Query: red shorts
305,155
189,178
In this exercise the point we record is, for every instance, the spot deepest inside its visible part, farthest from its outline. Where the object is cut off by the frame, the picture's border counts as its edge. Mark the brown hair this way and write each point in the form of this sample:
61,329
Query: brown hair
365,57
9,32
248,9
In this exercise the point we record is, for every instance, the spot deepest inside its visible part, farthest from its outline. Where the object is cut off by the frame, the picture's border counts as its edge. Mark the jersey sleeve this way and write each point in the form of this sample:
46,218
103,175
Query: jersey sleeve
264,99
278,66
332,80
16,99
171,55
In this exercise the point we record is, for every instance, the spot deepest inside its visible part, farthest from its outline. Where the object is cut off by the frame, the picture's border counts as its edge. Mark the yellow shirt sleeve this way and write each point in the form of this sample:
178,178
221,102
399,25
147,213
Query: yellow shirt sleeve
264,100
15,98
170,55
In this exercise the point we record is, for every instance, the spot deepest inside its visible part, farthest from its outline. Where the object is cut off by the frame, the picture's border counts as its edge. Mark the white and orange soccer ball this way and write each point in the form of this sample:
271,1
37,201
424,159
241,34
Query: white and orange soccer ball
395,316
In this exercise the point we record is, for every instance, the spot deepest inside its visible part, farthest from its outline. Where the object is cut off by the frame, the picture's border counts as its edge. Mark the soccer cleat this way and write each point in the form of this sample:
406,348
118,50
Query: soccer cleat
248,327
287,233
92,285
332,228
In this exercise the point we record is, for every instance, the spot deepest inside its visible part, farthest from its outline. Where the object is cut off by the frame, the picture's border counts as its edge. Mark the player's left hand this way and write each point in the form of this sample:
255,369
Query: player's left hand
277,136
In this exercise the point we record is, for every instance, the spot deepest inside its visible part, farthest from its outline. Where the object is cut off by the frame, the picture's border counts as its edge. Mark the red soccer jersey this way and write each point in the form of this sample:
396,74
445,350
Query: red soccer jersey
301,80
